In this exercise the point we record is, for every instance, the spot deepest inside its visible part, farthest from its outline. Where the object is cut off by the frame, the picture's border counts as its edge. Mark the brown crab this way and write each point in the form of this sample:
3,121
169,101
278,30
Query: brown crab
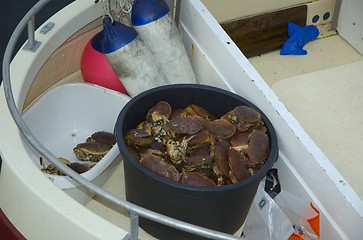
160,166
93,151
102,137
244,118
80,167
138,138
239,141
199,158
197,179
238,170
184,125
177,113
258,147
199,139
194,109
220,153
51,169
77,167
162,108
221,129
155,127
253,145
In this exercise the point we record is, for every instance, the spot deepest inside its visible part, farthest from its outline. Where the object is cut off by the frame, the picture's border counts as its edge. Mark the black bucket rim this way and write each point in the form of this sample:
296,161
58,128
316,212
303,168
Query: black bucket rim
258,176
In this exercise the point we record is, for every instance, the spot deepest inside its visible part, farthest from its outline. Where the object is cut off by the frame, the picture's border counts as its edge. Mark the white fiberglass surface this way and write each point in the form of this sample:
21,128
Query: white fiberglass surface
66,116
221,64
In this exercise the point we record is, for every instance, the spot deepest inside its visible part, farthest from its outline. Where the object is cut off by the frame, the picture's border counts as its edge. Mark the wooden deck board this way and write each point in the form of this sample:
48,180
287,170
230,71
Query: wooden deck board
263,33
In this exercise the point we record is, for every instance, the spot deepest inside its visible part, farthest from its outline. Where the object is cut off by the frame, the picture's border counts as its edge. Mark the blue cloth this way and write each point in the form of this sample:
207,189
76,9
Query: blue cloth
299,36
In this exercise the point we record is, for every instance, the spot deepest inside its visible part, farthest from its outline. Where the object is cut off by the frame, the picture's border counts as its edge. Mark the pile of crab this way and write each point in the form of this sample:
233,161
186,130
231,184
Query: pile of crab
193,147
93,150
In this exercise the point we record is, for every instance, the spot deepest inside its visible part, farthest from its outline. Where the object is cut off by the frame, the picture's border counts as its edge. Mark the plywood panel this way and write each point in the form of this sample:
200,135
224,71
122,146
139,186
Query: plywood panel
65,61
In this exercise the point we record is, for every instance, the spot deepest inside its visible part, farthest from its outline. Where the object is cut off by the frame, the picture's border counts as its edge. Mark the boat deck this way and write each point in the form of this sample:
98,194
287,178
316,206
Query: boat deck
323,90
320,89
311,87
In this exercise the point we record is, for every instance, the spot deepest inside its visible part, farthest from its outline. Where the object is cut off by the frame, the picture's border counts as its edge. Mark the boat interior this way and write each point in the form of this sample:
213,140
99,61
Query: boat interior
318,95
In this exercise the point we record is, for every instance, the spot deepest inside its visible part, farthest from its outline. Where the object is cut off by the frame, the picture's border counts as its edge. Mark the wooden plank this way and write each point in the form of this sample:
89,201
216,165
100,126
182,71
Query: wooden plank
264,33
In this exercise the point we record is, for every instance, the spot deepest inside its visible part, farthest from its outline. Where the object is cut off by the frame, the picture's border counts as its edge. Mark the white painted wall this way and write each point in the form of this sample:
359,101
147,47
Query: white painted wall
350,23
233,9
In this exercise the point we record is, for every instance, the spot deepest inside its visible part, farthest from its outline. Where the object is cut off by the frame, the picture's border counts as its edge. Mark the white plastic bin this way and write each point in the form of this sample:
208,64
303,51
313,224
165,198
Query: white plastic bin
67,115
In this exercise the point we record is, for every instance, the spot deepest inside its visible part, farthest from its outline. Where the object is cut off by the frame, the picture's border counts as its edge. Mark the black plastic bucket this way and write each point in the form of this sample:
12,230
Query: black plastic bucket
222,208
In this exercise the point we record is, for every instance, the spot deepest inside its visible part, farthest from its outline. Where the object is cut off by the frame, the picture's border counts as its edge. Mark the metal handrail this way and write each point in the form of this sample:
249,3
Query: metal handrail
135,210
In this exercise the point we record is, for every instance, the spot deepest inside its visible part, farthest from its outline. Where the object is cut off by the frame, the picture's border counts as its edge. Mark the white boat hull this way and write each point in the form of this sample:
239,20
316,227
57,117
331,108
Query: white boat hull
27,196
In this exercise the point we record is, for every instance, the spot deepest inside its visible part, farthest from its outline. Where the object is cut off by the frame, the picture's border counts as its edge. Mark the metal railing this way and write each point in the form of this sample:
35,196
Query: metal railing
135,211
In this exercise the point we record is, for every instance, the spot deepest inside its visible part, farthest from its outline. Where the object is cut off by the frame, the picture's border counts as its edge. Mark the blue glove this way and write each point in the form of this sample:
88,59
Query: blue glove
299,36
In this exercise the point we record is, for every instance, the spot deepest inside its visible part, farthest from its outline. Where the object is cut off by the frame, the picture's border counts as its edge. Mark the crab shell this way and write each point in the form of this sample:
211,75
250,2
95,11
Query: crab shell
79,167
93,151
258,147
138,138
239,141
246,114
161,108
199,158
102,137
236,165
159,166
197,179
199,139
194,109
220,128
177,113
184,125
244,118
221,157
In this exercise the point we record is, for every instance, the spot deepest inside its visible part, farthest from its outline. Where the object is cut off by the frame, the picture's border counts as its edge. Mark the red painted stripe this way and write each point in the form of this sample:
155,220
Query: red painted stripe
8,230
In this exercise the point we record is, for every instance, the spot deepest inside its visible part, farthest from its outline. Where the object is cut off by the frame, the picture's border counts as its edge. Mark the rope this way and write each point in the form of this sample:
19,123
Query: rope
106,9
